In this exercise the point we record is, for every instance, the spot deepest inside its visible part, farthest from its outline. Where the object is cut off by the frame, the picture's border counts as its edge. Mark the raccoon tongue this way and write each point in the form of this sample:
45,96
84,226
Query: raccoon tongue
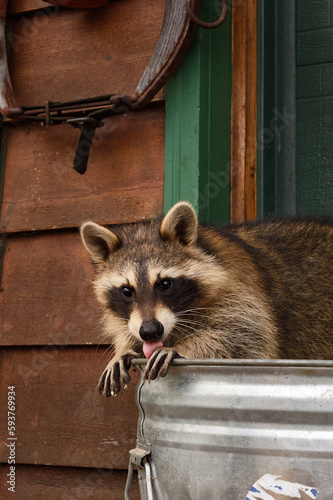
149,347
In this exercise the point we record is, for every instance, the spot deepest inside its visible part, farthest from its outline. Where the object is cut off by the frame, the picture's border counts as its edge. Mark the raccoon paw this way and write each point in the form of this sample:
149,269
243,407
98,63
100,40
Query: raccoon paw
116,373
158,364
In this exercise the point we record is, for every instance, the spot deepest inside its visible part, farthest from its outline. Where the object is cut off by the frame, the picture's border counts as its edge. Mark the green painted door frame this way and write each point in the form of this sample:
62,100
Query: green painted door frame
198,114
276,193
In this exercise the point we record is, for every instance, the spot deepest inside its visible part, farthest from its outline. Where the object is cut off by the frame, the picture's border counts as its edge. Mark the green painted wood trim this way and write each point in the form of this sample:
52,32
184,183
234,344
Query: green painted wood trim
197,129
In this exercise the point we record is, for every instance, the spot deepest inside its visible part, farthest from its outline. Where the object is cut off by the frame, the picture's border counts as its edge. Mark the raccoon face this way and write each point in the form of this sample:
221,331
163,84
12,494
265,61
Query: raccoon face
152,304
151,276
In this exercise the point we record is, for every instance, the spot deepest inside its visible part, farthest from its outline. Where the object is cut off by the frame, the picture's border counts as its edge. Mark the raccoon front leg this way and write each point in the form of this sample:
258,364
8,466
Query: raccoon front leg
158,364
117,371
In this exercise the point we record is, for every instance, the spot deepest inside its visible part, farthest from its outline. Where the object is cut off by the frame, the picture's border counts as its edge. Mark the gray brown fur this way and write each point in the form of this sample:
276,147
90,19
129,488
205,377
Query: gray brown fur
258,290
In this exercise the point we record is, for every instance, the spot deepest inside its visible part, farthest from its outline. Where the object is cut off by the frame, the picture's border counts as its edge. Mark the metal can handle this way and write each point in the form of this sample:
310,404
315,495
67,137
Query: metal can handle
138,457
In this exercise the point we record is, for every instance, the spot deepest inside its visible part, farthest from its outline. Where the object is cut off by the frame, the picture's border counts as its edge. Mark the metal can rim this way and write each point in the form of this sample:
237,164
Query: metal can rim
307,363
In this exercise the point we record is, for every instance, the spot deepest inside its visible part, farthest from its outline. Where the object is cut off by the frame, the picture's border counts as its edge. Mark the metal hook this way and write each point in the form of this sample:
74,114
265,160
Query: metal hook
203,24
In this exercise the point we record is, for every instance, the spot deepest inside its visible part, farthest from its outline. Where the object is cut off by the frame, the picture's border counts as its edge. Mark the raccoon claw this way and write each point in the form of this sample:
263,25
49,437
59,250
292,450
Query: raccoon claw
116,373
158,364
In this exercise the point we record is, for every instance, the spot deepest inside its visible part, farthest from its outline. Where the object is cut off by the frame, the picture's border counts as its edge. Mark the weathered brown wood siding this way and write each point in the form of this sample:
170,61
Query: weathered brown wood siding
71,443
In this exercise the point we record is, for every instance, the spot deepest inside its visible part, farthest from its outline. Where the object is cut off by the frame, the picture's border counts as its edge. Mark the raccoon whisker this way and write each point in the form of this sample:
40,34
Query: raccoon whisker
194,310
103,344
103,338
187,320
200,308
130,338
106,336
185,326
108,348
186,299
106,352
197,318
126,336
181,332
192,316
193,326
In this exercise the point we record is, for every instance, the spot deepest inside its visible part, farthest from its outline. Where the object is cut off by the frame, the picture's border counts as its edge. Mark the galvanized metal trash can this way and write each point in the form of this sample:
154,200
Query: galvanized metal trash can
236,430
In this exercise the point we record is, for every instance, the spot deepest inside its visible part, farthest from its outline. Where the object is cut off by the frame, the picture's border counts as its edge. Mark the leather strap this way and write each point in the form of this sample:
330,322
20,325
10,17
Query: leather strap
120,105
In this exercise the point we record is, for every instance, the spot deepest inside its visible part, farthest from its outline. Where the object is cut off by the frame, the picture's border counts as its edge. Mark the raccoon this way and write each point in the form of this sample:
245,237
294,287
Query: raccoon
175,288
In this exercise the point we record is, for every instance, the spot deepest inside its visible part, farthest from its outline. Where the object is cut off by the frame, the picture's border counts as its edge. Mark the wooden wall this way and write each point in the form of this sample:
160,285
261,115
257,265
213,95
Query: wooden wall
71,442
314,106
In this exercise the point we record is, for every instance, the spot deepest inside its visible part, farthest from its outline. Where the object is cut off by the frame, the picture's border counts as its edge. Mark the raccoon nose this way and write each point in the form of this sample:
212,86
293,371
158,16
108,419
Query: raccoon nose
151,330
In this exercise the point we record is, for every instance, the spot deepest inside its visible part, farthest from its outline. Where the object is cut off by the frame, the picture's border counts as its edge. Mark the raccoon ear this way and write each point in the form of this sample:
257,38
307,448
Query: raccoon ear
181,224
99,241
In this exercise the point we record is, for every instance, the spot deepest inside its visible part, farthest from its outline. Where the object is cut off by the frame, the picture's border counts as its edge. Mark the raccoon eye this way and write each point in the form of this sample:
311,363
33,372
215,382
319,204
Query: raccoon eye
127,291
165,284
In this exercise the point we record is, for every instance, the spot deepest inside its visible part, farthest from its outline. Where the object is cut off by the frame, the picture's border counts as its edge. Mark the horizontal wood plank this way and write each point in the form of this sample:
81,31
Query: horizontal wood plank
47,294
60,417
35,482
123,182
82,52
314,47
314,81
315,14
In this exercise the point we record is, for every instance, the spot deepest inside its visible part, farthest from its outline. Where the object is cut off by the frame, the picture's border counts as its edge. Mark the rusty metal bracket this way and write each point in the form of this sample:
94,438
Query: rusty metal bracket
139,458
204,24
179,24
52,113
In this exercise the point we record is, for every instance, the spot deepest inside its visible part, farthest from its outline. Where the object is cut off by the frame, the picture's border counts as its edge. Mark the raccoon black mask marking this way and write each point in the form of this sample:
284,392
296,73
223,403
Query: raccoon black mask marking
176,288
